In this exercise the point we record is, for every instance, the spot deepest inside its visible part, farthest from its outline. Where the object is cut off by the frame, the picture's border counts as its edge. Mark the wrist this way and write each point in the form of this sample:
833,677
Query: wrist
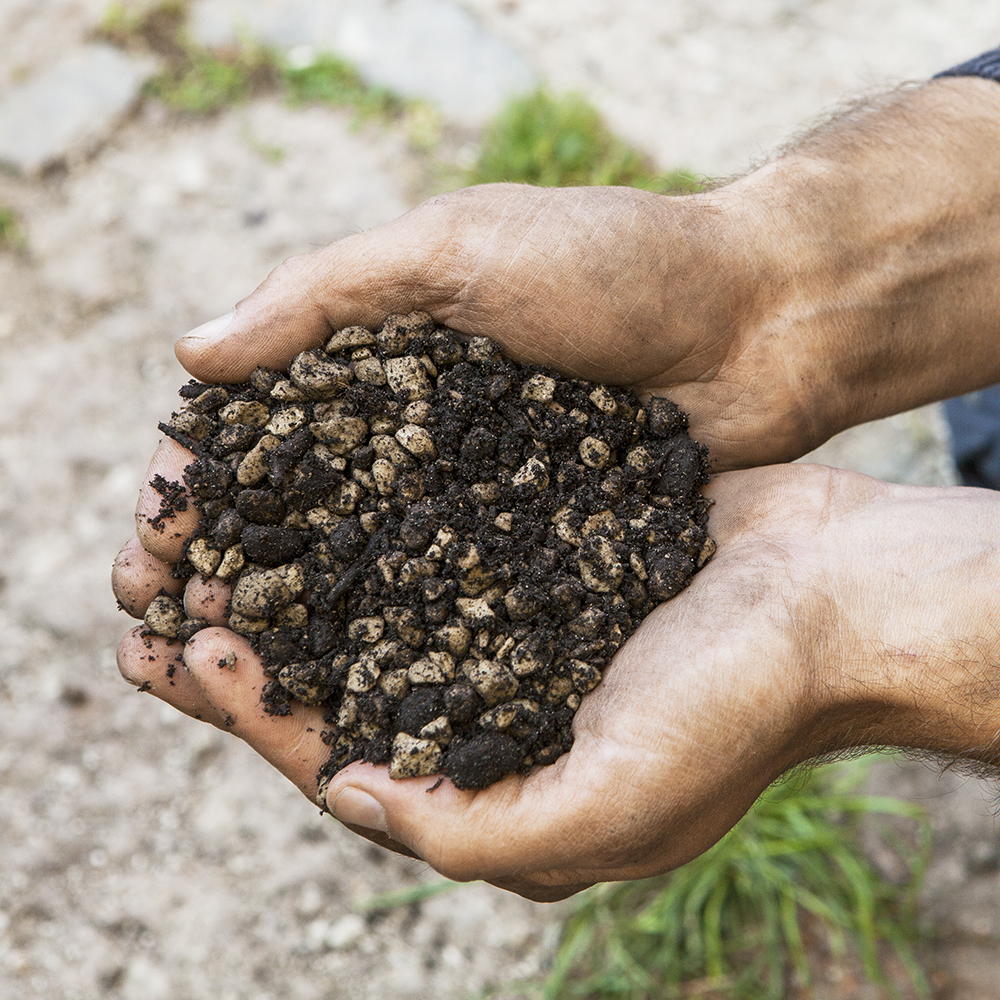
912,658
880,244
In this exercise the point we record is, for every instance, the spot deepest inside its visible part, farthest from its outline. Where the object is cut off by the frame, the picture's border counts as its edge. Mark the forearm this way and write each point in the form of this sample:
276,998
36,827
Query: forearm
884,234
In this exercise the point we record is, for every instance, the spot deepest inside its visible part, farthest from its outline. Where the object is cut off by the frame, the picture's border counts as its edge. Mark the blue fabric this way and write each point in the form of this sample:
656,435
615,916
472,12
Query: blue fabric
987,65
974,421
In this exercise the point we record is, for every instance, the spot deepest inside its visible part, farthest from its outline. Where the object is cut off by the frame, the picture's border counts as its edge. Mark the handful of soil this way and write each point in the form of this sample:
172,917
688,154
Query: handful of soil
441,547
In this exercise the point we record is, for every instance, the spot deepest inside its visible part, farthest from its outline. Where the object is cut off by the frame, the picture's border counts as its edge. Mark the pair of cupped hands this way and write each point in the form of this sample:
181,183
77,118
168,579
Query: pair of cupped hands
838,612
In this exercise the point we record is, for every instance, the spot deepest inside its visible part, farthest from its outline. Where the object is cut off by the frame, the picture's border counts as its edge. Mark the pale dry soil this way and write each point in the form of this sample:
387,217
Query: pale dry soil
145,856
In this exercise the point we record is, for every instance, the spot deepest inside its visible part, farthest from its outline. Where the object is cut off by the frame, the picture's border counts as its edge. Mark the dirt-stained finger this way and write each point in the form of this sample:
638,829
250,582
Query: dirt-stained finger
155,665
232,678
208,599
165,517
137,577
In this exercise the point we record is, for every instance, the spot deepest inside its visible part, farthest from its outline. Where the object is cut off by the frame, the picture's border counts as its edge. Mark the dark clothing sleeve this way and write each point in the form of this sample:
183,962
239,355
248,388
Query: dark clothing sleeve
987,65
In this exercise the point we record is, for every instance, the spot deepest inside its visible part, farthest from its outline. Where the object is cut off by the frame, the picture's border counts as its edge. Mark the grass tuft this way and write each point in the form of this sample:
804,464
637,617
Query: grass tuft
331,80
563,141
12,235
732,923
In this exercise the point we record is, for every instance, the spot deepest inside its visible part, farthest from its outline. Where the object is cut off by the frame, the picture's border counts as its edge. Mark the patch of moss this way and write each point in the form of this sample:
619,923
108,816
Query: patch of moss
12,236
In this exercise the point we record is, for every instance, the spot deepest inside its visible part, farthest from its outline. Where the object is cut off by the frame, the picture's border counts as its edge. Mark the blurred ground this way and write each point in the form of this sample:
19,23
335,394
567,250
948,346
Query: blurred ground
145,856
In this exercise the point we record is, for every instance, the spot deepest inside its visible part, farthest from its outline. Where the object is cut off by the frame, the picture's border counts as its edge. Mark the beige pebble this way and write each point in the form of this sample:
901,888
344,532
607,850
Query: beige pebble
286,391
413,757
595,453
347,716
504,521
370,371
539,387
351,336
164,616
408,378
242,411
395,683
387,447
258,594
287,420
339,433
439,730
585,676
204,557
534,474
319,377
706,553
603,523
347,498
232,563
418,568
294,616
245,625
384,474
435,668
417,412
638,566
455,638
481,349
641,459
475,610
190,424
416,440
603,400
493,681
362,676
486,492
255,464
600,568
367,629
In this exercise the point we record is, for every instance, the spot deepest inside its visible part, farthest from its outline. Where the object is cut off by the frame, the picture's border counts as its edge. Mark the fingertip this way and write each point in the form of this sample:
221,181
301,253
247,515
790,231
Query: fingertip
137,577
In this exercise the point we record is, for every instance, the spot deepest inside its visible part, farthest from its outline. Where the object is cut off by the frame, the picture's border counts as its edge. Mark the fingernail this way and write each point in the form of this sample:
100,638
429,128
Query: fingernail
358,808
214,329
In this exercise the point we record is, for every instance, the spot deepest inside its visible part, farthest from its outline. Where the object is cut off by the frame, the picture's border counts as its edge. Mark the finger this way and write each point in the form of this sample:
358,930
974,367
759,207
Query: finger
396,268
233,684
137,577
208,599
156,665
163,526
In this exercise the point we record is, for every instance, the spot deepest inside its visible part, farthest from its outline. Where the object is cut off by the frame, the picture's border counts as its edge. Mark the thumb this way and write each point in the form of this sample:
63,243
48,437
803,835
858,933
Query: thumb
397,268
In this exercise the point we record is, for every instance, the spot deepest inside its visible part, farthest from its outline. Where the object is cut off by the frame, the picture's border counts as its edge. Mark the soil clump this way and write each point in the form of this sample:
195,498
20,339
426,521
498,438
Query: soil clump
441,547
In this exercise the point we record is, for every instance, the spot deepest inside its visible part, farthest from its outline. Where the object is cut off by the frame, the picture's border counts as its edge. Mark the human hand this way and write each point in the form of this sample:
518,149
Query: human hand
837,612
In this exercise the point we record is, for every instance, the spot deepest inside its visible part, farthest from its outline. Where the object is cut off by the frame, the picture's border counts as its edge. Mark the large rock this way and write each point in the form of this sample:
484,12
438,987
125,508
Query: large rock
70,107
429,49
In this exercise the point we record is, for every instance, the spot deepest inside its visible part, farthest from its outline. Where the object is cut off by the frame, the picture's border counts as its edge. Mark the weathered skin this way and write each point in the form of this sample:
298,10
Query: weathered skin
856,276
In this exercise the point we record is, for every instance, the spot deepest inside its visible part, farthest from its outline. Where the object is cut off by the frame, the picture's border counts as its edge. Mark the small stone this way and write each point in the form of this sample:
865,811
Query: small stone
533,475
347,498
669,571
255,464
436,668
420,568
638,566
504,521
439,730
369,371
475,610
456,639
417,412
594,452
531,655
248,626
368,629
240,411
481,349
315,374
395,683
232,563
309,682
416,441
287,420
413,757
589,623
190,424
517,717
603,523
600,568
384,473
706,553
294,616
539,388
286,391
362,675
641,459
387,447
493,681
164,616
203,557
604,401
407,378
340,434
350,337
259,594
585,676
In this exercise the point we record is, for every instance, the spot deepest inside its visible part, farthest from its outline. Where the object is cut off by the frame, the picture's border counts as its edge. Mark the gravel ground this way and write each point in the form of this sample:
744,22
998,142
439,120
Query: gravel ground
146,856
